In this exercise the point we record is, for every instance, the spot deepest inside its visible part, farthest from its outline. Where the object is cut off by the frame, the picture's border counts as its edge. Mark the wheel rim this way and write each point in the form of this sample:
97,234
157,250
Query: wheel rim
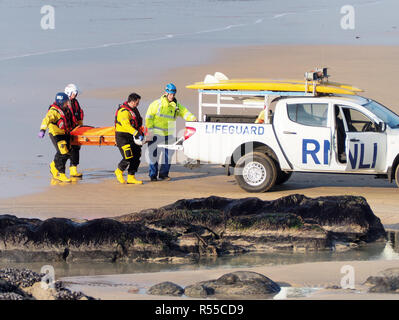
254,173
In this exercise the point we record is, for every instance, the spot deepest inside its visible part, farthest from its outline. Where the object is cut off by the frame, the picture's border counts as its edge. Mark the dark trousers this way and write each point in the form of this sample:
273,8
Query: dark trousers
154,153
61,157
75,150
130,152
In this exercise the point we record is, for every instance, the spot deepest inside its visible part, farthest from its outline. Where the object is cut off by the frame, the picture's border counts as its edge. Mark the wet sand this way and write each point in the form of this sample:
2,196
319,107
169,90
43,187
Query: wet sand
319,275
372,68
109,198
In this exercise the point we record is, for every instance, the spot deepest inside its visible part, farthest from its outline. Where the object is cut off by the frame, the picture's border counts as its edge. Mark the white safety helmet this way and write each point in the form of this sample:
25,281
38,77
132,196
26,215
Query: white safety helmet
71,89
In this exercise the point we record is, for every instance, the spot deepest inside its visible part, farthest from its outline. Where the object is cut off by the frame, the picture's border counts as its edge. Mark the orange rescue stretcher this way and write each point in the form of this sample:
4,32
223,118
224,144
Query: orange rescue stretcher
91,136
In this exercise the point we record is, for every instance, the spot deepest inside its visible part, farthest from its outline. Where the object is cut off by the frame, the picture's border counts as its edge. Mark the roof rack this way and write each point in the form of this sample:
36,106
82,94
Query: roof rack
313,78
227,95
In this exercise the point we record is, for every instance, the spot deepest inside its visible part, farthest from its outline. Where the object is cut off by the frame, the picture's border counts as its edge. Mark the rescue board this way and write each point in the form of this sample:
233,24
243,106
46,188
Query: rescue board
91,136
329,83
275,85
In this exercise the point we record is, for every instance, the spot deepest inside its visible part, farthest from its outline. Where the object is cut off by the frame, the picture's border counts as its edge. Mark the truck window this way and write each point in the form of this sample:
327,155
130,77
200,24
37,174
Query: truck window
310,114
357,121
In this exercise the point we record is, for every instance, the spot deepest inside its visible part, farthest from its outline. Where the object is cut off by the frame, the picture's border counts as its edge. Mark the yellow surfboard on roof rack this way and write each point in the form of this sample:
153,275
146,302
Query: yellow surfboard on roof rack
315,82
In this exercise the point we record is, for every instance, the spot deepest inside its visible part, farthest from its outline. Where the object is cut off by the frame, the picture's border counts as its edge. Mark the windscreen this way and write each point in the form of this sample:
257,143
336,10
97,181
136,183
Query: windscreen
386,115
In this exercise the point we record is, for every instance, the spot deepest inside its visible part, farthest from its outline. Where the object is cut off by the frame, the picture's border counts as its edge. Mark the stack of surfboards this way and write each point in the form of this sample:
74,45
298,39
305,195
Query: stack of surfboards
219,81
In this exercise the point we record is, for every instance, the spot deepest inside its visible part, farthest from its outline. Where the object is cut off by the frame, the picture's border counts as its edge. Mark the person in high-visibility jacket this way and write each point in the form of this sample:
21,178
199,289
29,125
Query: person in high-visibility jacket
261,117
161,123
71,90
129,136
58,120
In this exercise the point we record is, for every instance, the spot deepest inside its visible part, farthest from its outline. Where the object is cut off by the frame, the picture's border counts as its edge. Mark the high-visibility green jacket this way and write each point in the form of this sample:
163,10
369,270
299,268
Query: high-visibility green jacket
161,116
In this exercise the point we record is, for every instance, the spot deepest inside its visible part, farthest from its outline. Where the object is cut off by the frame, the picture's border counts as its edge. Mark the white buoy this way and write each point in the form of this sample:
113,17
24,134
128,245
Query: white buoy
221,76
210,79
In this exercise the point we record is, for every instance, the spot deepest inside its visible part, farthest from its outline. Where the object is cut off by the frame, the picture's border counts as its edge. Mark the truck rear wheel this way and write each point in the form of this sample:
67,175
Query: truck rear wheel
255,172
397,175
283,177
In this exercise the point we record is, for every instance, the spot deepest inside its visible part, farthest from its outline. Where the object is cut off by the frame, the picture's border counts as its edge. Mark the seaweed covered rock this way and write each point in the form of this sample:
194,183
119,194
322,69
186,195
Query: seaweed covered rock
386,281
166,288
194,228
239,284
9,291
60,239
26,284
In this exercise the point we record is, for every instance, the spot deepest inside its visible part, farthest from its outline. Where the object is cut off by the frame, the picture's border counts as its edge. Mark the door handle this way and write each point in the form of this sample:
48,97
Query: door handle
289,132
354,140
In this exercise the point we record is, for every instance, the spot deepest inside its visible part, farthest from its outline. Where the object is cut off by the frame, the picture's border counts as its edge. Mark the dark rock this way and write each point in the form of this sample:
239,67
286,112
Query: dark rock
9,290
11,296
386,281
21,278
239,284
166,289
67,294
334,287
14,282
63,240
196,228
198,291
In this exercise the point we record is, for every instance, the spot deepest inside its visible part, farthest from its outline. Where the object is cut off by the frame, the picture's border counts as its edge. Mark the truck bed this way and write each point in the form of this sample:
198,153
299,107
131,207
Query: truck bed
224,118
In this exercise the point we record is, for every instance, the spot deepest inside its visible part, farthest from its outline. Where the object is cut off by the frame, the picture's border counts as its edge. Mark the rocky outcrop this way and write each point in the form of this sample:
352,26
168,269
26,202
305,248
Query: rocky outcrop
59,239
166,289
9,291
235,285
195,228
25,284
386,281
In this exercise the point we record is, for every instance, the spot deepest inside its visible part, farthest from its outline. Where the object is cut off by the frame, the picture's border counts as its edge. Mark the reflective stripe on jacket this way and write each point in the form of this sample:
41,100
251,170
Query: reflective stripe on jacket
161,116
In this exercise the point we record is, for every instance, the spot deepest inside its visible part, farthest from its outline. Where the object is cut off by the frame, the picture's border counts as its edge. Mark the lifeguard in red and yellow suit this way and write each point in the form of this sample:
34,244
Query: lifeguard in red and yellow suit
59,122
71,90
129,136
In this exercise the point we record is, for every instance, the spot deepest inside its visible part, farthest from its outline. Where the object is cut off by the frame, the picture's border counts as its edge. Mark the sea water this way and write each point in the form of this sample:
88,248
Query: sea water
107,44
369,252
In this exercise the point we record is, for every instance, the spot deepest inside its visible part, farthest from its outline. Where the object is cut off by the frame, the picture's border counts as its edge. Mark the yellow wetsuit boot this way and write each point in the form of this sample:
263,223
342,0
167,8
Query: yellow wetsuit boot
54,170
131,179
63,178
119,176
73,172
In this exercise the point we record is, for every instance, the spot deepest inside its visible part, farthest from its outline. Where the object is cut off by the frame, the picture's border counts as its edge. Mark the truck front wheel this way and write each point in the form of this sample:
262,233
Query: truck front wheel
255,172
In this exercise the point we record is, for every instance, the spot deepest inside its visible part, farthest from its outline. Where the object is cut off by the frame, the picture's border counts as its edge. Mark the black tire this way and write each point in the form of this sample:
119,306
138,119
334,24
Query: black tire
255,172
397,175
282,177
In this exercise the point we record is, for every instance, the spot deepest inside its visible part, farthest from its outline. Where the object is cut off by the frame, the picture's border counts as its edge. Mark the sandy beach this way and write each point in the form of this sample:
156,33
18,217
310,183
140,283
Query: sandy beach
373,68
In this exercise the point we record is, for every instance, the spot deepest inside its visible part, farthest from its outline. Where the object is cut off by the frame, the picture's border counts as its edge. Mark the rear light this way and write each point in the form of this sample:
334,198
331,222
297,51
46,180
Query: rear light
188,132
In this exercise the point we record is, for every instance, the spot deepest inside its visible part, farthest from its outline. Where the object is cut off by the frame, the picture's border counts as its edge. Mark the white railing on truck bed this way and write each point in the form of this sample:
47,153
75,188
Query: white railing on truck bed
226,94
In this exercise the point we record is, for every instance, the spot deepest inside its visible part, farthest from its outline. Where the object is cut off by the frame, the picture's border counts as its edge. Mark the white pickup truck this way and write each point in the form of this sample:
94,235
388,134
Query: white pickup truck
345,134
